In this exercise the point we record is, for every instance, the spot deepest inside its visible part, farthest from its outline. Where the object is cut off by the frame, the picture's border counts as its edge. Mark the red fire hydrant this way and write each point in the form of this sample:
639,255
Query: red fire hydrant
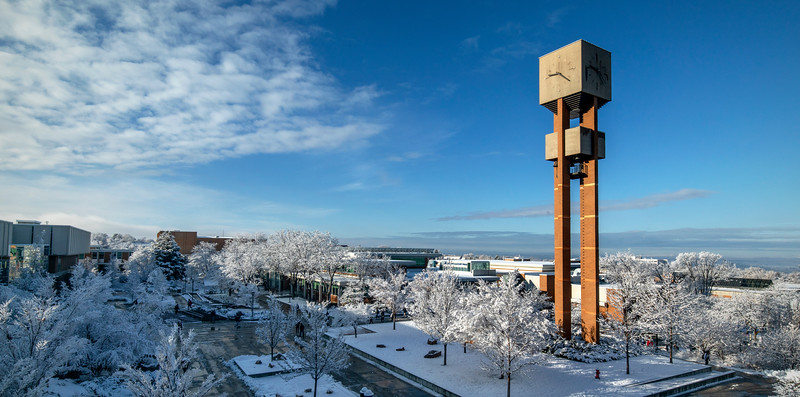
597,374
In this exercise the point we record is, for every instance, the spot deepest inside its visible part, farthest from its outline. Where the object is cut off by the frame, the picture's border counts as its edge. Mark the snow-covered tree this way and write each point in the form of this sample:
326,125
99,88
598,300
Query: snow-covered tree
168,256
762,311
301,253
437,305
203,261
390,291
331,258
510,325
362,265
782,346
789,384
69,328
668,302
712,331
176,374
35,345
141,262
353,314
318,354
629,279
293,252
34,259
703,269
244,259
126,241
274,325
100,239
353,294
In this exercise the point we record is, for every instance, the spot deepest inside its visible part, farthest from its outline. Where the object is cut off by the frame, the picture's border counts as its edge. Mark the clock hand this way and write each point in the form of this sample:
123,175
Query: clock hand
558,74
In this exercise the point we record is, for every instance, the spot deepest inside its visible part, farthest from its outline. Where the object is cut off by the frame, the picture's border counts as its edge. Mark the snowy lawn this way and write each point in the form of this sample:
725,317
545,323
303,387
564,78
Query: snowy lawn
293,301
554,376
249,366
290,385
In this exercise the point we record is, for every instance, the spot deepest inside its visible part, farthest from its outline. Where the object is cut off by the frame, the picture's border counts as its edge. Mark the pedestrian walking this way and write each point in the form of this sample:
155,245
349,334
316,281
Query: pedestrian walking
213,316
177,308
189,304
302,330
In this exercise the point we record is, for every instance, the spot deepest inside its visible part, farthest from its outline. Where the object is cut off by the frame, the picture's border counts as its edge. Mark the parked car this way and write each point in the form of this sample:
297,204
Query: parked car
434,354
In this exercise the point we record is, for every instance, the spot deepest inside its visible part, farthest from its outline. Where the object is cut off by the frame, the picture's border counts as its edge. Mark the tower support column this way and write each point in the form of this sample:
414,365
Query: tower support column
561,181
590,258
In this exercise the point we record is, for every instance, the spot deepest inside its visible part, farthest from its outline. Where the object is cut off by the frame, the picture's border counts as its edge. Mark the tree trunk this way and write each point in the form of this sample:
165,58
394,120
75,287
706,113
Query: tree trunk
394,327
445,353
315,387
508,384
671,343
627,356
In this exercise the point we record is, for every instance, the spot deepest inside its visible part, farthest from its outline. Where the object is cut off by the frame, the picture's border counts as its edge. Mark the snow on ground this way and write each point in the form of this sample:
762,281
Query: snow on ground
249,366
293,301
110,386
554,376
290,385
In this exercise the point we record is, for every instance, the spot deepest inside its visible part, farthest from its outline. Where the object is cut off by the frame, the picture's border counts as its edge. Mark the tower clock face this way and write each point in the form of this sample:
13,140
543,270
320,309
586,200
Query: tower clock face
596,73
579,67
560,75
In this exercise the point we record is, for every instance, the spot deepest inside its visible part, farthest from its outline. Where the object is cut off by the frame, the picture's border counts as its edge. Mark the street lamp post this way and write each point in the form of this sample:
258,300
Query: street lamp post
252,303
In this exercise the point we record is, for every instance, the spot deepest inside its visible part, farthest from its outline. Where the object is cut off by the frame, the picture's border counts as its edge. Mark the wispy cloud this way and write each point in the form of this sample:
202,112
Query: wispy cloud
517,50
350,187
554,17
527,212
511,28
142,206
408,156
470,43
140,84
654,200
547,210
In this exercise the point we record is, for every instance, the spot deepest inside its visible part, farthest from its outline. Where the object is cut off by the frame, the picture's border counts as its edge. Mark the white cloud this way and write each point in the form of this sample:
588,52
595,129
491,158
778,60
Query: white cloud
547,210
470,43
654,200
142,206
139,84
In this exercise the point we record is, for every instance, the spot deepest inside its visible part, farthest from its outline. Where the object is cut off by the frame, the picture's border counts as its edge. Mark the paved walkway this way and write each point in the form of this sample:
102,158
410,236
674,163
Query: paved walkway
225,341
221,344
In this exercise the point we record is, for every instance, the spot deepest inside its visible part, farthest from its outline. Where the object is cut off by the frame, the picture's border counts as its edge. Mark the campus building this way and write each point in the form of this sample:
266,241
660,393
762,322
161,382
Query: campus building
103,257
413,259
5,249
54,248
539,274
187,240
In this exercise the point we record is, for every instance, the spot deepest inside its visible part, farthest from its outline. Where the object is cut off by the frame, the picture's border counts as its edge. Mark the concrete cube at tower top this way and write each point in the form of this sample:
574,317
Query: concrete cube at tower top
576,72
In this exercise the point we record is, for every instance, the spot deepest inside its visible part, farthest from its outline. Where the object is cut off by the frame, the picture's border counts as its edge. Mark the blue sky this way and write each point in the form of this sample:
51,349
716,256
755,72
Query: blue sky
400,123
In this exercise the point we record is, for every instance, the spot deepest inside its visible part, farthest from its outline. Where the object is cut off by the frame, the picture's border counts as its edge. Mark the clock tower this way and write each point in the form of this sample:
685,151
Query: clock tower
574,82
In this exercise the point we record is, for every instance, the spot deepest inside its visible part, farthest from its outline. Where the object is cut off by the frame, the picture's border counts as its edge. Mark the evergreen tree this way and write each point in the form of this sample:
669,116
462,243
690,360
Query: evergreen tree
168,256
